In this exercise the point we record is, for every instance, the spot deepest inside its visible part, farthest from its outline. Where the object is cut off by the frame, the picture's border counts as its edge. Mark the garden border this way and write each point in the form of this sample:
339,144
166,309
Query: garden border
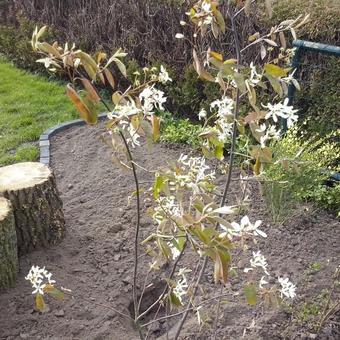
44,140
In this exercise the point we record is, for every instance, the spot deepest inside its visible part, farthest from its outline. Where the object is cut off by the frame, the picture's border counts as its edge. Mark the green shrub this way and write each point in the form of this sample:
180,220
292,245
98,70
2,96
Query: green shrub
318,101
180,131
301,172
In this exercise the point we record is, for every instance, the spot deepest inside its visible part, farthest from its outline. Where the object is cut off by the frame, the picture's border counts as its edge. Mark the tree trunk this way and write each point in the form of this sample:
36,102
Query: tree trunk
37,207
8,245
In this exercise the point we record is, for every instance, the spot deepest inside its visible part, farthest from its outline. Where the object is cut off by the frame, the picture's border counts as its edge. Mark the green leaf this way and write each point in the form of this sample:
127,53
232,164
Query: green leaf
264,155
274,70
250,293
275,83
202,73
40,303
220,21
116,98
88,63
174,300
110,78
158,185
54,292
221,266
47,48
156,122
121,66
92,94
164,248
219,152
205,235
89,116
239,80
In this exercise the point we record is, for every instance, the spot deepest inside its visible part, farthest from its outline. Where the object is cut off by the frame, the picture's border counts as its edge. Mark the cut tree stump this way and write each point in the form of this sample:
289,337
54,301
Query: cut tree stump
37,207
8,245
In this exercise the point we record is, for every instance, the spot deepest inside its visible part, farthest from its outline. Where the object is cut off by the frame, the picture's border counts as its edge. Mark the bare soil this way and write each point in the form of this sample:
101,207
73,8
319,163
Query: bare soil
95,260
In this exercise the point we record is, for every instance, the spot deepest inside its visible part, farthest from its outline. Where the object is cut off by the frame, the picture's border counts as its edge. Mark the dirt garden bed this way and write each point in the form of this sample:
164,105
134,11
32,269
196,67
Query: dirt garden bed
95,259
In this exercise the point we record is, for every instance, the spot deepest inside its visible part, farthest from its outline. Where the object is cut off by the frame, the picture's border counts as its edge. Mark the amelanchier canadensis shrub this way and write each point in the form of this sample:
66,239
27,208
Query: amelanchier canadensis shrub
188,209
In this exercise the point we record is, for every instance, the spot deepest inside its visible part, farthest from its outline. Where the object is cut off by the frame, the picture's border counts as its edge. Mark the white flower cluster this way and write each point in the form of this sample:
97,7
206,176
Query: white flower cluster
124,111
282,110
255,77
174,251
181,288
163,76
288,289
206,11
224,108
258,260
243,229
290,80
194,172
270,133
39,278
167,207
202,114
152,99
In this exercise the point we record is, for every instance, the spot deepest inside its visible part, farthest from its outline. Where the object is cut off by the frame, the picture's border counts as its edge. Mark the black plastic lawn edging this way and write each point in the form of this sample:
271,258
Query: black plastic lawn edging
44,140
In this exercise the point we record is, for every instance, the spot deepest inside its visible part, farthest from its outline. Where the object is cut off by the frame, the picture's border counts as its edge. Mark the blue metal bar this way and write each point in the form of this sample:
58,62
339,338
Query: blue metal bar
302,45
317,47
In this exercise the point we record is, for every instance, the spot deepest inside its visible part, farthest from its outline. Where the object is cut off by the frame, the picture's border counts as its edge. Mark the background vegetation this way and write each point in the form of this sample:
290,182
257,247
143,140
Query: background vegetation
147,28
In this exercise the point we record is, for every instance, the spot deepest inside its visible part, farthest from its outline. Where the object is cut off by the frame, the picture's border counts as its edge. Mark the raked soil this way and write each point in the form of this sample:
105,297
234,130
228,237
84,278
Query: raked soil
95,260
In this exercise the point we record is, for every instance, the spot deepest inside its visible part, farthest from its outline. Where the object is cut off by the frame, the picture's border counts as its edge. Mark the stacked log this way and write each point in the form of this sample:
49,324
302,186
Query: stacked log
37,207
8,245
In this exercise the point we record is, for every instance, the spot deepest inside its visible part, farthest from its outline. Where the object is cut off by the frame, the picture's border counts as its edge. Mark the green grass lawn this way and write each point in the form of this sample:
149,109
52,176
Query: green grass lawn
29,104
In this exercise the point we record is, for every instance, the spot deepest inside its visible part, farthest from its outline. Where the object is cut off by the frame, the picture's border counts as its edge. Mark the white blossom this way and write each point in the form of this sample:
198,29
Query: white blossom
224,111
39,278
202,114
244,228
225,106
262,282
258,260
291,80
134,136
163,76
124,110
288,289
182,23
179,36
255,77
181,288
270,133
194,172
167,207
174,251
208,20
206,7
152,99
281,110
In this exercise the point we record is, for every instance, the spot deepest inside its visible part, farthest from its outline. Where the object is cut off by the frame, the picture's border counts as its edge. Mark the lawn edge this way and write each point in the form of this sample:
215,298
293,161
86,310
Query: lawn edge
44,139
